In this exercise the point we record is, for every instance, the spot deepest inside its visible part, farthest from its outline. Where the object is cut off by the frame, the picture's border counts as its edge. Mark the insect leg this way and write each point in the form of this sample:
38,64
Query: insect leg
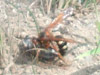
59,55
37,55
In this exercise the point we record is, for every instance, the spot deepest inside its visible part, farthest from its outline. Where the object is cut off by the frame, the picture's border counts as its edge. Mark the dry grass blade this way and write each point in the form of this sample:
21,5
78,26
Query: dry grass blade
0,44
49,6
1,48
41,8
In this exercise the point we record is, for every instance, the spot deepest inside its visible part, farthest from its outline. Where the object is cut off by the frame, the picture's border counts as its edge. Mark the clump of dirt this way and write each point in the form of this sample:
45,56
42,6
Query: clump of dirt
16,23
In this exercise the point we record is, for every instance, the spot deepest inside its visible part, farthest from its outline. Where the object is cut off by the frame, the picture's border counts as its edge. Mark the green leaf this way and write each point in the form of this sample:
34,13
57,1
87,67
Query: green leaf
88,53
98,25
0,38
64,4
34,18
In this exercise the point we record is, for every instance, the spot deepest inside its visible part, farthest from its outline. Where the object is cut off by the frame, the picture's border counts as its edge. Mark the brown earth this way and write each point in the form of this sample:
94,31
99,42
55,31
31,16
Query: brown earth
16,23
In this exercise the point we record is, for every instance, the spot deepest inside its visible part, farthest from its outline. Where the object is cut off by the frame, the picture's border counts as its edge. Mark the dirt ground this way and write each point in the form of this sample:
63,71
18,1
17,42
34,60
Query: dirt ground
15,23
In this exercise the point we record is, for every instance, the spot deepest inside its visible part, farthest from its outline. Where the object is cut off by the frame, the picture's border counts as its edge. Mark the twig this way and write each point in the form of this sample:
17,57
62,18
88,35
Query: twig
34,49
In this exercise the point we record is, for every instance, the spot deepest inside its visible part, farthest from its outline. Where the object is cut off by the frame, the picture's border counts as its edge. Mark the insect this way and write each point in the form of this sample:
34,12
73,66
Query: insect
46,45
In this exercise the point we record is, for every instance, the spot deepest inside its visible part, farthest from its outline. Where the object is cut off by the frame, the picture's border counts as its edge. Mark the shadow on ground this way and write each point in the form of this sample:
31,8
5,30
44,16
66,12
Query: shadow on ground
87,71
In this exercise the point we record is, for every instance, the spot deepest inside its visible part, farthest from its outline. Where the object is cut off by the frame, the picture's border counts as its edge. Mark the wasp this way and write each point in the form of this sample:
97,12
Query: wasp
46,45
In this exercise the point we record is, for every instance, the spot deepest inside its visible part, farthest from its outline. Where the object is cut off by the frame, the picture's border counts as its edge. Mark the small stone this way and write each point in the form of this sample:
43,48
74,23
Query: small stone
14,11
40,15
